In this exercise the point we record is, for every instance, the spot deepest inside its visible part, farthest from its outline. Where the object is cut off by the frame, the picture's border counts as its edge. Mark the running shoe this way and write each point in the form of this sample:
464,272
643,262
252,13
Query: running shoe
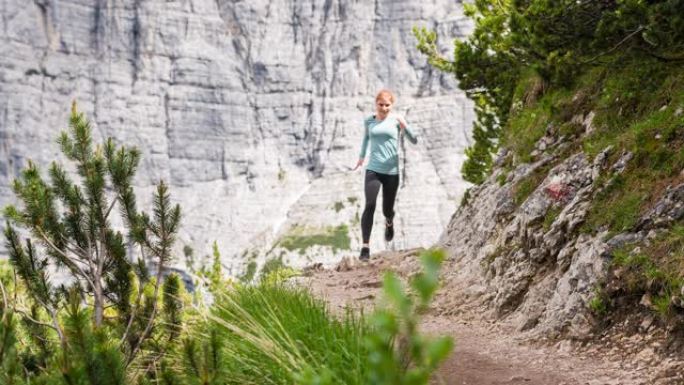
389,231
365,254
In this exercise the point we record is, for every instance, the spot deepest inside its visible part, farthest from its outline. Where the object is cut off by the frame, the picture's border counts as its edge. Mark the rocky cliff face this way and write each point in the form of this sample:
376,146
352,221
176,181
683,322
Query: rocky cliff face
252,110
525,257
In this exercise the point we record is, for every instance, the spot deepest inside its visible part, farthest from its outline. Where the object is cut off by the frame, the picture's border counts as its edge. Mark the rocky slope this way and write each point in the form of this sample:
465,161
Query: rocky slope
251,110
525,257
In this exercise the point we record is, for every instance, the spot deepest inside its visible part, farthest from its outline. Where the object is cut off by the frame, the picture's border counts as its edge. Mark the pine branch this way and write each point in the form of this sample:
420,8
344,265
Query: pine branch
143,277
151,319
72,266
35,321
616,46
109,210
124,337
167,225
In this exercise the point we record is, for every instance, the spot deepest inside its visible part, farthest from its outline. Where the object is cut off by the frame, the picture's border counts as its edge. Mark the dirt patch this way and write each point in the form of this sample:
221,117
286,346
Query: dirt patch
489,352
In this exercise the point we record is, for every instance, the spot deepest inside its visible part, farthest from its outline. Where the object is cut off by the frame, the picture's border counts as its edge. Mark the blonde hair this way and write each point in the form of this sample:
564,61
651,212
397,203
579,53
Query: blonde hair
385,92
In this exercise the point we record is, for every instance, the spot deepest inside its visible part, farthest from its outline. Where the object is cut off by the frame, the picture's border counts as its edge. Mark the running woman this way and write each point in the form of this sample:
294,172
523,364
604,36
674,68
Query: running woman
382,131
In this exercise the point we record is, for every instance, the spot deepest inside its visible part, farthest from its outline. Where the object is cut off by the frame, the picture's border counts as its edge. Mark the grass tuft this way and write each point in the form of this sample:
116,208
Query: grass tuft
277,333
301,238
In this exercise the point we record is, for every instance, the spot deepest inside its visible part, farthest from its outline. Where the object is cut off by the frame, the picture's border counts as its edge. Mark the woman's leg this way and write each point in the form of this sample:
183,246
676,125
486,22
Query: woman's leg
371,189
390,185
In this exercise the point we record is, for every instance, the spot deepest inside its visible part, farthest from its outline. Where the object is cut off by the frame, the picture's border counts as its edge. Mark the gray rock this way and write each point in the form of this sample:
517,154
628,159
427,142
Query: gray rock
620,165
538,271
252,111
588,123
667,210
541,277
623,239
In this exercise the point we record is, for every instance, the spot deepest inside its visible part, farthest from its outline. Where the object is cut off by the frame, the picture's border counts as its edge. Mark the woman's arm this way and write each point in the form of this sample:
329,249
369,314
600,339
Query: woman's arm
404,126
364,146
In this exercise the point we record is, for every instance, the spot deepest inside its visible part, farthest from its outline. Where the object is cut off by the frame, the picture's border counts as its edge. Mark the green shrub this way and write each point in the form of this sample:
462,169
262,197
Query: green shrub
501,178
250,272
550,216
399,354
597,303
301,238
522,49
273,333
465,198
527,185
104,327
662,304
338,206
655,270
278,333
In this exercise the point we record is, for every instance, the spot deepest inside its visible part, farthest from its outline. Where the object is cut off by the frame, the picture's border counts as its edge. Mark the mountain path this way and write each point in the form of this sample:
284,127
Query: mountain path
486,352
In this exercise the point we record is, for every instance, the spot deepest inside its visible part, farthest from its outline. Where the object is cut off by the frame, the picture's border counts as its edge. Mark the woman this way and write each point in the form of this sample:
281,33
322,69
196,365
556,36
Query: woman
382,130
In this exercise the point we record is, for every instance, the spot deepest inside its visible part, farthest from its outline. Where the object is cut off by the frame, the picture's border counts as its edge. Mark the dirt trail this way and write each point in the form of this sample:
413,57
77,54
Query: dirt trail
485,353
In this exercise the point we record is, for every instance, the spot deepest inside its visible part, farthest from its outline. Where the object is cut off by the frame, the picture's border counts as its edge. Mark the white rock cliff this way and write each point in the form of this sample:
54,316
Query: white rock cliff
251,110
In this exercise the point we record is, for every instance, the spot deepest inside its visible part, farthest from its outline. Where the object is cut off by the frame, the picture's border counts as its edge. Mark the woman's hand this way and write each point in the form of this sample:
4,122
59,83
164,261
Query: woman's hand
401,120
358,164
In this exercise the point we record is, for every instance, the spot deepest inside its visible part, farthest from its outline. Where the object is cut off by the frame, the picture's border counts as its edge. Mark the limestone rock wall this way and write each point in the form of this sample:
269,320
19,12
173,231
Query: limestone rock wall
252,110
529,261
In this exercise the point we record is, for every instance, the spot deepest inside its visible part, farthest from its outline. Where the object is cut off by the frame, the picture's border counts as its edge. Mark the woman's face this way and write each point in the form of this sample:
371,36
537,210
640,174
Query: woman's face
383,106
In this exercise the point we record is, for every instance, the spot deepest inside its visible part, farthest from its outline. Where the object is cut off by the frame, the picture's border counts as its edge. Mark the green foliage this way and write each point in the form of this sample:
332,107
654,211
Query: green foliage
250,272
523,189
527,185
172,310
275,333
527,126
398,353
105,322
216,275
280,334
662,304
465,198
597,304
655,269
301,238
617,206
645,123
275,271
338,206
201,360
554,41
210,277
550,217
501,178
90,356
189,254
11,369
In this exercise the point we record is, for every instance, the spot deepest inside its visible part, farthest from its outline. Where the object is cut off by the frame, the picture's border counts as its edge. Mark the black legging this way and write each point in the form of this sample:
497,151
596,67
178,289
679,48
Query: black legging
390,184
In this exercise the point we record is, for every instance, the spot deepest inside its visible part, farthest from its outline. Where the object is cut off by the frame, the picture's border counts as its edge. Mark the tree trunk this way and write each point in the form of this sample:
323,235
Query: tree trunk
98,302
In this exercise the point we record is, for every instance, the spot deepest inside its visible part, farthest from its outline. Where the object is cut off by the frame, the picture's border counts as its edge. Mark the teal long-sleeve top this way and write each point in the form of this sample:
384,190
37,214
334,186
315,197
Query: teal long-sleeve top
382,135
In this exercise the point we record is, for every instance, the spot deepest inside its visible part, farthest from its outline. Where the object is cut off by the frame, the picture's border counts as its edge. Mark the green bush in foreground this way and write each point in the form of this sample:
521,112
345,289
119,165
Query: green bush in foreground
276,333
111,321
398,354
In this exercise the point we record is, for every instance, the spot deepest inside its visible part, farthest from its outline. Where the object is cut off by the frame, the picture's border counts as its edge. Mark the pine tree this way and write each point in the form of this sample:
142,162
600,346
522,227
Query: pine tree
555,41
69,224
